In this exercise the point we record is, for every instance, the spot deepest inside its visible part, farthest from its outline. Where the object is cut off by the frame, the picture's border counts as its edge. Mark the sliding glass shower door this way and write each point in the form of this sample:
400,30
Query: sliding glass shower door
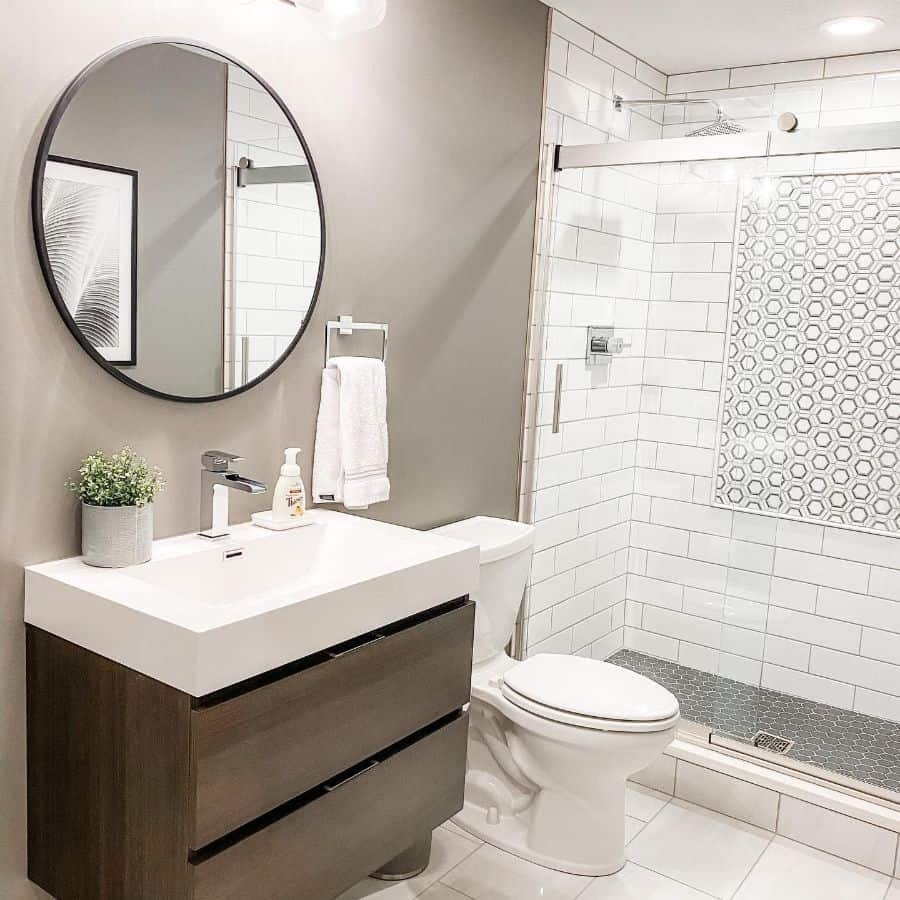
763,583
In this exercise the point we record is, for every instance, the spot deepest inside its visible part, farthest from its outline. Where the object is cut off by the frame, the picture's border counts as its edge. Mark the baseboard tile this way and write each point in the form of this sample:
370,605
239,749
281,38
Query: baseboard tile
843,824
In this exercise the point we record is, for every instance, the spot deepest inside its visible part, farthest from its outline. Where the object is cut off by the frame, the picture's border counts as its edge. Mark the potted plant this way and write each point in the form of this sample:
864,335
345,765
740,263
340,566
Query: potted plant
116,492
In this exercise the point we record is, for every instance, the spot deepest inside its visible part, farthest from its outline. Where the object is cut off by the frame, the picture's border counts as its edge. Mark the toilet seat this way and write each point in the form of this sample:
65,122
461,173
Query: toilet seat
588,693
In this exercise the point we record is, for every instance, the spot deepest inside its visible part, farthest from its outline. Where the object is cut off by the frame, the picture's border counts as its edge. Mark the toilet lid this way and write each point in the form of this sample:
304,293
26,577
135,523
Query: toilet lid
496,538
588,687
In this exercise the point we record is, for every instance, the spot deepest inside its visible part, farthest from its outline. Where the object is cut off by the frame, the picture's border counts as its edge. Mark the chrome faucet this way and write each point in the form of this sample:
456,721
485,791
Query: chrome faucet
216,480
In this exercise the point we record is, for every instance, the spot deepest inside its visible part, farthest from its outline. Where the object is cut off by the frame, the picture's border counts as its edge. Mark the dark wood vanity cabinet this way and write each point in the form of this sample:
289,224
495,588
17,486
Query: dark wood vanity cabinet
293,785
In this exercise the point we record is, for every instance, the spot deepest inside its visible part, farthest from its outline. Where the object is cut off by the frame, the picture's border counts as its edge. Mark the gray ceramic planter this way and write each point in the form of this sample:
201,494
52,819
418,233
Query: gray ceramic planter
116,536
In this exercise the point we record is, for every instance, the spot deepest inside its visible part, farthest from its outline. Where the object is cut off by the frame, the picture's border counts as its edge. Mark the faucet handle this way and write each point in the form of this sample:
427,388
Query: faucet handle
218,460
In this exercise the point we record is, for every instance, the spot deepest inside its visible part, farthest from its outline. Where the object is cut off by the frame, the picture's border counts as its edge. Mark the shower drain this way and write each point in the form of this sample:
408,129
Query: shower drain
771,742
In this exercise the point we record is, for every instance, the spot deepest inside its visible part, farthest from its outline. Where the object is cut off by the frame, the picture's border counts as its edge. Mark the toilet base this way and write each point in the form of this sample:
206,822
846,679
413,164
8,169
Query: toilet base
510,833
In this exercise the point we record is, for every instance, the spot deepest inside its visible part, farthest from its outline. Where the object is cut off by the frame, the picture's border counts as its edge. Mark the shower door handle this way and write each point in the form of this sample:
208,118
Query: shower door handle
557,397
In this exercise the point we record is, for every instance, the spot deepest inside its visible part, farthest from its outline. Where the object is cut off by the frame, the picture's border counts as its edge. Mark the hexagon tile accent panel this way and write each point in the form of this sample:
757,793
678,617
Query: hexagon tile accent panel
810,422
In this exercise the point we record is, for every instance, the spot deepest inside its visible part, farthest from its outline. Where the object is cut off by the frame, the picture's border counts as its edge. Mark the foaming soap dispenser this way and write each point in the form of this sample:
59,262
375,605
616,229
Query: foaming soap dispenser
290,495
289,502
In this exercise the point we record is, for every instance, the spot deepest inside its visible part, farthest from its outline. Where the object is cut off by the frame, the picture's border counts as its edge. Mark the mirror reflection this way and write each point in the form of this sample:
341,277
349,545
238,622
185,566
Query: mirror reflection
181,220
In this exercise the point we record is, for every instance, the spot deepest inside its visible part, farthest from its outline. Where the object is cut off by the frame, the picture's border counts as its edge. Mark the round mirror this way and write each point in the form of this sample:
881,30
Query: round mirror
179,220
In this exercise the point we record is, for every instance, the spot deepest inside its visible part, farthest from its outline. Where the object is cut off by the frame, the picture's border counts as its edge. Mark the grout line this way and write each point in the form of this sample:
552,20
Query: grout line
449,887
453,868
647,868
458,831
854,862
587,887
717,812
755,864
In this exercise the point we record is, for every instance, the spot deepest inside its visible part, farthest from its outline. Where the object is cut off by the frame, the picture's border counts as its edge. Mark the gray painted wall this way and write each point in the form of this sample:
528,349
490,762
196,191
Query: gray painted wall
160,110
426,134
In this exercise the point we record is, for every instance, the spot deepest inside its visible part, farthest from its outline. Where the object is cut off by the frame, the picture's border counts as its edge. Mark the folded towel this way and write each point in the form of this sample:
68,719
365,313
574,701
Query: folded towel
328,479
351,458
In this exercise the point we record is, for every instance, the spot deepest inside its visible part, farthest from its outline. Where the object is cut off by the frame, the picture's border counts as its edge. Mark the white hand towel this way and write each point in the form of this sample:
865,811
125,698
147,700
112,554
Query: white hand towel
352,434
328,479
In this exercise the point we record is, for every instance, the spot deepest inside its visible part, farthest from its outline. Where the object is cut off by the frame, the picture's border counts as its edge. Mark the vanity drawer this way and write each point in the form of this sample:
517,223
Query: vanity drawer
256,751
346,830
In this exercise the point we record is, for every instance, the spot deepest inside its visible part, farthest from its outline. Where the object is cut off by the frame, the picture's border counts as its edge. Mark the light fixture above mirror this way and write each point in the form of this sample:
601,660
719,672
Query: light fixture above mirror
338,18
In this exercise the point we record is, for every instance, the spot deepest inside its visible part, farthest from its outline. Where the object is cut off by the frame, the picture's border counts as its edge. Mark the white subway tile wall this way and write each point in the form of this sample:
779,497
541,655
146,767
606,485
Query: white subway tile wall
846,90
277,237
578,484
622,496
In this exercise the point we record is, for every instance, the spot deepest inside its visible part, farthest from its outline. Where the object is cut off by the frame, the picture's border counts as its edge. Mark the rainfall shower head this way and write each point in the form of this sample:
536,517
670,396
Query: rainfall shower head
722,125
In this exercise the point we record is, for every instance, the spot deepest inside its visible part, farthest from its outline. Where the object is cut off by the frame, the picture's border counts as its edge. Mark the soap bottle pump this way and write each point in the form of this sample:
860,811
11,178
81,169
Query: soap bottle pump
290,494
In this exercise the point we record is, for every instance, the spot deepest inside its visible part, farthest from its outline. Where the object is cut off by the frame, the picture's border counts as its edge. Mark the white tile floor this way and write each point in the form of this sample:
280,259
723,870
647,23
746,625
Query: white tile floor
676,851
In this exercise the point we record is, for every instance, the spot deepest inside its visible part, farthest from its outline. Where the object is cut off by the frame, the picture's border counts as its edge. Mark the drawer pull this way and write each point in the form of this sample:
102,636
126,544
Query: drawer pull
337,654
334,785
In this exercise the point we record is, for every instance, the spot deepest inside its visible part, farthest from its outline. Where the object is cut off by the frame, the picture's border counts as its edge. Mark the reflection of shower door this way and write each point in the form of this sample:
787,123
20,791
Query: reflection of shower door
234,347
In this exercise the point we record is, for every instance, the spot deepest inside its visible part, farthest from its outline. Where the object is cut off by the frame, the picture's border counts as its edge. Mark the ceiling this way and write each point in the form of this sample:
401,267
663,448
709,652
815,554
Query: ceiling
692,35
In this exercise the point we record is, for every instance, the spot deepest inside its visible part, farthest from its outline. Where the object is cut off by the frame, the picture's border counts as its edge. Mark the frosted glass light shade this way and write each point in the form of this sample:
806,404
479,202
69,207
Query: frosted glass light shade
338,18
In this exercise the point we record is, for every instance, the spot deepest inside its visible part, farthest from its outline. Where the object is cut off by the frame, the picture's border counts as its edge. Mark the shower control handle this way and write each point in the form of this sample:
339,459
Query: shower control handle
602,345
607,345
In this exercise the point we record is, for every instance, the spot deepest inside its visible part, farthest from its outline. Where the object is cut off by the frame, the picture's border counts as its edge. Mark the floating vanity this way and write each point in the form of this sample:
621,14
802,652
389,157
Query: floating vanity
271,718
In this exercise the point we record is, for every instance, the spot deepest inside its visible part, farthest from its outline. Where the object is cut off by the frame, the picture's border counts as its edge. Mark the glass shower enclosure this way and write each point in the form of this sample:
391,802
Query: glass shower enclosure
755,281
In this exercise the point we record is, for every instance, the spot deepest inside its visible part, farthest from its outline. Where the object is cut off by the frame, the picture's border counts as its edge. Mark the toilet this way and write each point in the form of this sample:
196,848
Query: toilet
553,739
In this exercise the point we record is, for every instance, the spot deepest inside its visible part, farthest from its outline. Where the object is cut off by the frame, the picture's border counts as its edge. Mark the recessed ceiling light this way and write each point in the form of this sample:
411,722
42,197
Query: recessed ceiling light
853,26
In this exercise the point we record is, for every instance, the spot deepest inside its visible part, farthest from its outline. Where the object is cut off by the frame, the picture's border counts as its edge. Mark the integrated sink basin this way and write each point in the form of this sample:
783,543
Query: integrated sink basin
202,616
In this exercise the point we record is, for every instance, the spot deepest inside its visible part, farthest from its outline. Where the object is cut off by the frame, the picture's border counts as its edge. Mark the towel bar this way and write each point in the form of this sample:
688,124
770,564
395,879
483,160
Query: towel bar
346,325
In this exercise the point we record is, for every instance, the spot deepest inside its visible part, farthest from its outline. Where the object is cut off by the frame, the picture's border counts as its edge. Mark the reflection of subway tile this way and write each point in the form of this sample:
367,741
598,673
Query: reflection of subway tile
292,297
274,271
238,99
256,296
248,129
256,242
263,106
292,246
298,195
274,322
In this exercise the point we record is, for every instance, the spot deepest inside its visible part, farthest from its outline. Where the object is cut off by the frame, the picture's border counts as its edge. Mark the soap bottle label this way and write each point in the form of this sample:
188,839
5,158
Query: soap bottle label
296,502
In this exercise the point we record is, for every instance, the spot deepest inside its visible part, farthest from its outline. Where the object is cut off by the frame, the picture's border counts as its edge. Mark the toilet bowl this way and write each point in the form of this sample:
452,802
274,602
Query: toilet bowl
553,739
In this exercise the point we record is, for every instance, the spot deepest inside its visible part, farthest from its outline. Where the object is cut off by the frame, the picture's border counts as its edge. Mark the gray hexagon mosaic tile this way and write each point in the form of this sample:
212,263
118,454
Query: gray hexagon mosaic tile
810,423
848,743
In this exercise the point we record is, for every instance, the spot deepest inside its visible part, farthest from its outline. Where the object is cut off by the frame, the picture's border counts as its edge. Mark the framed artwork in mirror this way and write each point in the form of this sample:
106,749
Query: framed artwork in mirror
90,228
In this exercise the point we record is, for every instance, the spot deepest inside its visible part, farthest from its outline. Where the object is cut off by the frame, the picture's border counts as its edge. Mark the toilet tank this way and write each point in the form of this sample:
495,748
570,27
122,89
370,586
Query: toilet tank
506,550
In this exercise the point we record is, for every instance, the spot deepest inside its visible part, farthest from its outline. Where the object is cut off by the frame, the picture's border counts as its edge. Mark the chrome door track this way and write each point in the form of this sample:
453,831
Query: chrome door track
806,771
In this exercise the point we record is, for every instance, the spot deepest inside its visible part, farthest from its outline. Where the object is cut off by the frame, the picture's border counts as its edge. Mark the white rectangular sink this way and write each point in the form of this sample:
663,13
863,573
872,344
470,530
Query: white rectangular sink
202,616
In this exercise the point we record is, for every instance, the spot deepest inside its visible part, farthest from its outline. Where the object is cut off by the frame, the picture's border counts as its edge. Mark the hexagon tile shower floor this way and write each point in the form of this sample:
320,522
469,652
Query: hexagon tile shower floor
845,742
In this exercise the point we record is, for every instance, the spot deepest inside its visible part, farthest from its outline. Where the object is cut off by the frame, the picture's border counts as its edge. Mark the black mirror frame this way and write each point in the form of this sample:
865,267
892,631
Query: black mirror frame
37,218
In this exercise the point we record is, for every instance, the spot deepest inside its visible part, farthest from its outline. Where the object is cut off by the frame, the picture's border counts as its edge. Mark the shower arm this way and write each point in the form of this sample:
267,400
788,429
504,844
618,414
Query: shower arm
620,103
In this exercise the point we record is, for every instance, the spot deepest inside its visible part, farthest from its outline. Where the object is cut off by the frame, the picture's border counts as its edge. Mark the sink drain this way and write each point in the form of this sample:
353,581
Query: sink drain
771,742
